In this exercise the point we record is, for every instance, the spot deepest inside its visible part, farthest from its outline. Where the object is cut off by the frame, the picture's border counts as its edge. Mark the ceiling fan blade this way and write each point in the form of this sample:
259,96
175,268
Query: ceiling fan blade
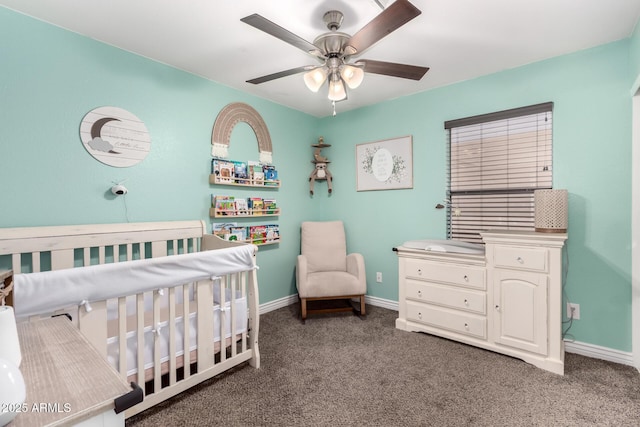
404,71
277,31
280,74
389,20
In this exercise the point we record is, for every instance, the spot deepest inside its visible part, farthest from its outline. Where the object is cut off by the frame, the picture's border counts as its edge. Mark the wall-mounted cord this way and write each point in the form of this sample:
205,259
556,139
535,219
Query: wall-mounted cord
126,210
119,189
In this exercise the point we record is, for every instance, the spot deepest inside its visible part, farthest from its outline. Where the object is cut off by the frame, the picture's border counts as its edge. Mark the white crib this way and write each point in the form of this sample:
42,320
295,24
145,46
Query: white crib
167,304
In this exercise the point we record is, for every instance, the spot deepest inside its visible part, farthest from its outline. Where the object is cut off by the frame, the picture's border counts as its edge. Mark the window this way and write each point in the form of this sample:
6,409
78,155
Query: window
496,161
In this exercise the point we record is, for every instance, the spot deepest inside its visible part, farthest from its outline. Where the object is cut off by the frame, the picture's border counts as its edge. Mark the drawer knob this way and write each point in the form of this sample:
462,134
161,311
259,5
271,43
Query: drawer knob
419,315
419,272
520,260
466,302
466,326
497,307
466,278
419,294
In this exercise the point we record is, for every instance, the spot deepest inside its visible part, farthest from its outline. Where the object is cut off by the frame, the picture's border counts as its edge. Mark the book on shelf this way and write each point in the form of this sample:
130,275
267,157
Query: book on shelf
258,234
270,175
223,229
270,207
272,233
238,233
242,207
224,205
240,172
256,174
256,204
223,171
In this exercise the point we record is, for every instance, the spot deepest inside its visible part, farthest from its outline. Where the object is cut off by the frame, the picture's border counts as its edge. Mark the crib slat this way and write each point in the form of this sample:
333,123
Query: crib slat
140,337
93,325
86,252
254,321
35,261
186,332
122,337
16,263
243,294
172,335
101,255
159,249
232,313
157,368
204,295
61,259
224,282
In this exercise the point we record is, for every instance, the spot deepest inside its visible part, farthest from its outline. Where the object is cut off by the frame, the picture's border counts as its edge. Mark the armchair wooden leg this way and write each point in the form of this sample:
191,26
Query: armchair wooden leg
363,312
303,309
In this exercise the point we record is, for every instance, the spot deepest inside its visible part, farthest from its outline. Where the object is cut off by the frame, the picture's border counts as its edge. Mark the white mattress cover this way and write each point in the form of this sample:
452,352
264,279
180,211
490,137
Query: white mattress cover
45,292
240,314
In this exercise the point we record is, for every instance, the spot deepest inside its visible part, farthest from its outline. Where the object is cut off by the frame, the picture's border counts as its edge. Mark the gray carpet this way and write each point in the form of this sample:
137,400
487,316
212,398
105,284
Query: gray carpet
340,370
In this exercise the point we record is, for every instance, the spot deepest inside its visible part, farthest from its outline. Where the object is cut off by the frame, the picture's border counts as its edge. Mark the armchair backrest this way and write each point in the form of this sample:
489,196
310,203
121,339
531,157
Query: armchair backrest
325,246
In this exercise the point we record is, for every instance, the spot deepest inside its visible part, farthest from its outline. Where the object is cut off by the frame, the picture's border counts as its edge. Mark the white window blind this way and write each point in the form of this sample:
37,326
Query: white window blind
496,161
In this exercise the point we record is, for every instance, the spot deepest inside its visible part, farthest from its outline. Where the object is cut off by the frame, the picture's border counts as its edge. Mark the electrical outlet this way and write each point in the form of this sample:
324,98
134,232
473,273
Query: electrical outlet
575,309
379,277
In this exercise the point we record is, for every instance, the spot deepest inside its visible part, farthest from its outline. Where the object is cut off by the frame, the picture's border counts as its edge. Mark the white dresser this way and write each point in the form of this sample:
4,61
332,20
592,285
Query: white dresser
508,301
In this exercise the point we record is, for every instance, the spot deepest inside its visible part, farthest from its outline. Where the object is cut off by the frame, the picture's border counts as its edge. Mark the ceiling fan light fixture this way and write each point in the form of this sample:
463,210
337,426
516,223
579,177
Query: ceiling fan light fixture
315,78
353,76
337,91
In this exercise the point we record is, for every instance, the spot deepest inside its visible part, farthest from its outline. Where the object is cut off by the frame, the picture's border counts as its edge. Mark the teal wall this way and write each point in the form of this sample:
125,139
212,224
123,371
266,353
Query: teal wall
592,159
50,78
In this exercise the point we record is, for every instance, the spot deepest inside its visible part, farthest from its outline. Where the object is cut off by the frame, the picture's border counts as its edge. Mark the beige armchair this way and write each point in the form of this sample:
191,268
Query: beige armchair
325,272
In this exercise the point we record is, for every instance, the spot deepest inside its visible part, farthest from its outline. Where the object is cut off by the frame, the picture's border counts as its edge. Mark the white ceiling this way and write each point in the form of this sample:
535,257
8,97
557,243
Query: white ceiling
457,39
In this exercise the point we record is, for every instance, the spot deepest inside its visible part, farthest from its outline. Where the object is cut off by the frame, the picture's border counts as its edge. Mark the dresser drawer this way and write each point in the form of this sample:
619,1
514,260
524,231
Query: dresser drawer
456,321
448,296
521,258
462,275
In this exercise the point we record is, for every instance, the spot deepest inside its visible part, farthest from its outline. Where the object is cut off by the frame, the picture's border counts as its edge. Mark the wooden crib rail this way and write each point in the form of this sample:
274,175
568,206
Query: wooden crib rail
62,241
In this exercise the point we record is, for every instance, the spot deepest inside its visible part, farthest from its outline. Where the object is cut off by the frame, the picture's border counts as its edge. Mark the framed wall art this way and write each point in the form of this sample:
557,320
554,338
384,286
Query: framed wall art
385,165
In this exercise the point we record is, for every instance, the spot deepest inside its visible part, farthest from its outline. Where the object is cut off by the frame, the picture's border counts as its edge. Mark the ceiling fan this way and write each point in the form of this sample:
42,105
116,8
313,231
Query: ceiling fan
335,50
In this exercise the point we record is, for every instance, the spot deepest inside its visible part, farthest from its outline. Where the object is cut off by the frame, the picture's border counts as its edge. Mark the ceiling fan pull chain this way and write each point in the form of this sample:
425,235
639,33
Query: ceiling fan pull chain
333,103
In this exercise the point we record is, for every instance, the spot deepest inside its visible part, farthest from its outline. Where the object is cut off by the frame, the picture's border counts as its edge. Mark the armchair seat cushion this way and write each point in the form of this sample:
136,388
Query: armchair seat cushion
332,284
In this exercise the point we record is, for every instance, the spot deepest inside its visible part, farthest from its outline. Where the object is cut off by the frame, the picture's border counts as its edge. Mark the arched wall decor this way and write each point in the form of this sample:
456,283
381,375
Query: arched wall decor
228,118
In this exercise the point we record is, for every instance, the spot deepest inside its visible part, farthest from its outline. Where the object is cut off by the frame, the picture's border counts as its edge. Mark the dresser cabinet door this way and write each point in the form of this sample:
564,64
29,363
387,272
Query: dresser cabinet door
520,310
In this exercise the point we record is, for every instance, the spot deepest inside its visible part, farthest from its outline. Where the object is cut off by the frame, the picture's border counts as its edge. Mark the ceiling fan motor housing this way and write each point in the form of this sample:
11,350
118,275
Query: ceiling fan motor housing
333,19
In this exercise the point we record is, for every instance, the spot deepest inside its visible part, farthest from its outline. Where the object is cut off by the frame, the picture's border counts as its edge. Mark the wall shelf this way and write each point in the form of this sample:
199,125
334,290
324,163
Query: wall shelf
248,213
243,182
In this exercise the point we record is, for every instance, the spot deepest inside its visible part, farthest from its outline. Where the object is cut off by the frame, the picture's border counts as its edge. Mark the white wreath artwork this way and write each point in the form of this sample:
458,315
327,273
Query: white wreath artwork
385,165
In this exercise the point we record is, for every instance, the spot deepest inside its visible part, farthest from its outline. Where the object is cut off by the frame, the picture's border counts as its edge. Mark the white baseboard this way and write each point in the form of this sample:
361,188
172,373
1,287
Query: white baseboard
381,302
293,299
598,352
581,348
279,303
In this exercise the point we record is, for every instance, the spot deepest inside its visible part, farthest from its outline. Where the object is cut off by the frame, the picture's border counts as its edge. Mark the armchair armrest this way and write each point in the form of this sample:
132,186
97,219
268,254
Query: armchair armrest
355,266
301,272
